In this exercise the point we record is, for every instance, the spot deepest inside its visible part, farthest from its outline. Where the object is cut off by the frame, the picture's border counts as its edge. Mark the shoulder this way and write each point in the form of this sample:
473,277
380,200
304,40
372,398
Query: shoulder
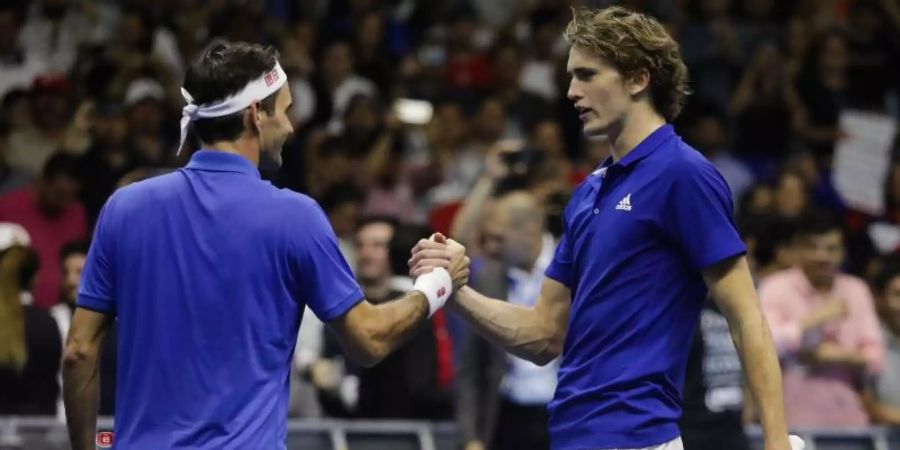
296,205
683,161
684,169
39,320
854,287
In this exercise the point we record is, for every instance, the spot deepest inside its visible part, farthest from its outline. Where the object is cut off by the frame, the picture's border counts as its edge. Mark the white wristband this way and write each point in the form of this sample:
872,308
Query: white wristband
437,287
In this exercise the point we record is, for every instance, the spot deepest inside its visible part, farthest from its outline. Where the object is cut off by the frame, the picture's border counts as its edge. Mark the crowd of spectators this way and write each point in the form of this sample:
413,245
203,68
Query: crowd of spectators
91,102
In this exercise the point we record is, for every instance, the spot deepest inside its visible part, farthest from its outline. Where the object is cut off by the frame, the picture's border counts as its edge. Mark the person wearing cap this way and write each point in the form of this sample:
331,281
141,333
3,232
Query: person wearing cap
144,106
207,271
56,125
30,345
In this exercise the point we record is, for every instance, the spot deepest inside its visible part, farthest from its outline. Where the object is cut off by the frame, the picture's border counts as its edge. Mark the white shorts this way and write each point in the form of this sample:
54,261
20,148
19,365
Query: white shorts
674,444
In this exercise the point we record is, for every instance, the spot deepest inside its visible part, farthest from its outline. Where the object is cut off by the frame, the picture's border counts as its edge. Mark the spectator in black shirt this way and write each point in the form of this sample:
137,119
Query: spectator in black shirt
30,345
405,385
713,391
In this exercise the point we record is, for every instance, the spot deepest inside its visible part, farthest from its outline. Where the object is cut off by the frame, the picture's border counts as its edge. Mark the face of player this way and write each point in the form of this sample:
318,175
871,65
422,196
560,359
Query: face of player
274,129
373,252
72,267
602,96
820,256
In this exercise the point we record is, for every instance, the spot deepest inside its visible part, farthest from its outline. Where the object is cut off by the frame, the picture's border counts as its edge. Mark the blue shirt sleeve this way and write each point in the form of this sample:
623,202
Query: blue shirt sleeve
327,284
96,290
560,269
700,215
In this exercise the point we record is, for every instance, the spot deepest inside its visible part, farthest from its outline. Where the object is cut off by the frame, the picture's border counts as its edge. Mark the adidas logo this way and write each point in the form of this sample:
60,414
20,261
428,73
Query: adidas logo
624,204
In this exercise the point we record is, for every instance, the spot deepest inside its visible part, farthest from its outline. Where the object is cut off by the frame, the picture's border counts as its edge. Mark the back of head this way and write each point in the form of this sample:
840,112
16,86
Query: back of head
60,165
223,70
521,209
634,42
816,222
18,267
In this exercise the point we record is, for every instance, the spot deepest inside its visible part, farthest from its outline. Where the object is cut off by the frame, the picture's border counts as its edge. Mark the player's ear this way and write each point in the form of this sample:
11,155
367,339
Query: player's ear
253,118
638,82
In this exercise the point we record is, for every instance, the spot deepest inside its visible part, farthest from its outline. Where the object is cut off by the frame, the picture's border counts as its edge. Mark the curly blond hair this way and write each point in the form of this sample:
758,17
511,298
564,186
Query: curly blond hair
631,42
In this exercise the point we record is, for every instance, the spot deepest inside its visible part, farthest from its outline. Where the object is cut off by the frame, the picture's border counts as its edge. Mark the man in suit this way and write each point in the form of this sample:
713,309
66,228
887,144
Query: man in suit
502,399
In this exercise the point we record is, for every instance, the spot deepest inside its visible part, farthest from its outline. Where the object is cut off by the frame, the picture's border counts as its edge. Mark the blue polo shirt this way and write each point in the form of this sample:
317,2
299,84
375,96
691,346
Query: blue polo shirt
207,270
637,235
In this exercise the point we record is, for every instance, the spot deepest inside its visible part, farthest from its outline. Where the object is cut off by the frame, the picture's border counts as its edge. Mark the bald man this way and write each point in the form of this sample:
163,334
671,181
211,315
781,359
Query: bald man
503,399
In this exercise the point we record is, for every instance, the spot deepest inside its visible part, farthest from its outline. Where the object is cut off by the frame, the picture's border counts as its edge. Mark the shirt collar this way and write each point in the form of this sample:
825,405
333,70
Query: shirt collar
219,161
644,149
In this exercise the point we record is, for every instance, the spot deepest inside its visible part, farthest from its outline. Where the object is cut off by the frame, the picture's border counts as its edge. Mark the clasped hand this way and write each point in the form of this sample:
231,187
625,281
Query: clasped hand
438,251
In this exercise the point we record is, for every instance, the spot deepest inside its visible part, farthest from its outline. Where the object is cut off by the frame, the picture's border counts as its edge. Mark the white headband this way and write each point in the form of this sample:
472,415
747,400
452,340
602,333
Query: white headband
258,89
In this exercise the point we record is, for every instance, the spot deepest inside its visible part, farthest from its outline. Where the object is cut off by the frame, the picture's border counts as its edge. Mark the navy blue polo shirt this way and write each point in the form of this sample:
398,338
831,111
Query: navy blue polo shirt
207,270
637,235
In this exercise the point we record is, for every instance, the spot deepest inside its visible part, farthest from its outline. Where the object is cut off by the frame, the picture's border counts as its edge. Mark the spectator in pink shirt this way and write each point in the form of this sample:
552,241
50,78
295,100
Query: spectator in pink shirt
49,210
826,330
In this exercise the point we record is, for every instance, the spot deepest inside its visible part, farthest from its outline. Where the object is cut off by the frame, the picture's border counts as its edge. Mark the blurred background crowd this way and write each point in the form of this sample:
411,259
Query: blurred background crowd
91,102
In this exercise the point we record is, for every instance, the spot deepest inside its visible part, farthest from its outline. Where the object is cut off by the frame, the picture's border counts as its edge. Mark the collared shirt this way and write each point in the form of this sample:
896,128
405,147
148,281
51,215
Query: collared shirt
821,396
208,270
526,383
637,234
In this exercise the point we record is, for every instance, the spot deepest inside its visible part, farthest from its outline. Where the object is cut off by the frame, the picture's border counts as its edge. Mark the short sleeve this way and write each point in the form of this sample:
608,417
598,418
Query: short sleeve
97,288
327,284
560,269
699,215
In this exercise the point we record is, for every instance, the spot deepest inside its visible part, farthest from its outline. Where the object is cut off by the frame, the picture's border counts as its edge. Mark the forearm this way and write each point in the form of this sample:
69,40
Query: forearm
81,397
833,354
389,325
757,352
517,329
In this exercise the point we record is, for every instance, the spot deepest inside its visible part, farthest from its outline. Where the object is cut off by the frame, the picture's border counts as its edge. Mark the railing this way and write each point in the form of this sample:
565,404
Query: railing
21,433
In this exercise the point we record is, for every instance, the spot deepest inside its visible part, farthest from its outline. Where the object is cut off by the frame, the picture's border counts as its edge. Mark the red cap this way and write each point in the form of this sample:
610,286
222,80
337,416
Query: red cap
52,82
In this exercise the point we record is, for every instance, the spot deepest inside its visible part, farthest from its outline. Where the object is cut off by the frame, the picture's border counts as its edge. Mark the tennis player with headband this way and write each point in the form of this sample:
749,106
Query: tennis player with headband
207,270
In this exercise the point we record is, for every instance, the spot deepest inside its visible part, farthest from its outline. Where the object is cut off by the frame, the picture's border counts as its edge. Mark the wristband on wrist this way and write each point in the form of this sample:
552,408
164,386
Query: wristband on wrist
437,287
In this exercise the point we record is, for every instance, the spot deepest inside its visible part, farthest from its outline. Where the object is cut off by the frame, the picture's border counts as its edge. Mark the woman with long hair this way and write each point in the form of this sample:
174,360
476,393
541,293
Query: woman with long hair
30,345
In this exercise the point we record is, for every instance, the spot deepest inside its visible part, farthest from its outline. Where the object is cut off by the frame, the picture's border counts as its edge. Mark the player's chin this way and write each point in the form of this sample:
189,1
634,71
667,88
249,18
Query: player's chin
594,128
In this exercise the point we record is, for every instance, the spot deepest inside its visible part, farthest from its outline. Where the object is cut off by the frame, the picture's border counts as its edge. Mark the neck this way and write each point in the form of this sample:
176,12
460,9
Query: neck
248,148
376,289
820,284
633,129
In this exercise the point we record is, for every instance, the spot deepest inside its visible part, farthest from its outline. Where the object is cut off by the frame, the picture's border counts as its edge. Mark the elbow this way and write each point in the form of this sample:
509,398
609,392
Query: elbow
77,354
551,351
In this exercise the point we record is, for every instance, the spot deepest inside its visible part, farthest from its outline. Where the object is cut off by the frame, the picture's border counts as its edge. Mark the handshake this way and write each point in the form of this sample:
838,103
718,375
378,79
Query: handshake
439,266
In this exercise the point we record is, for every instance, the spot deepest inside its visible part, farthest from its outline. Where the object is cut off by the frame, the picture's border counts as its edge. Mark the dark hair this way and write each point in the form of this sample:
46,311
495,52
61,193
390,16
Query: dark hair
73,248
60,165
817,221
890,269
222,70
4,128
405,238
14,8
339,195
771,233
369,220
